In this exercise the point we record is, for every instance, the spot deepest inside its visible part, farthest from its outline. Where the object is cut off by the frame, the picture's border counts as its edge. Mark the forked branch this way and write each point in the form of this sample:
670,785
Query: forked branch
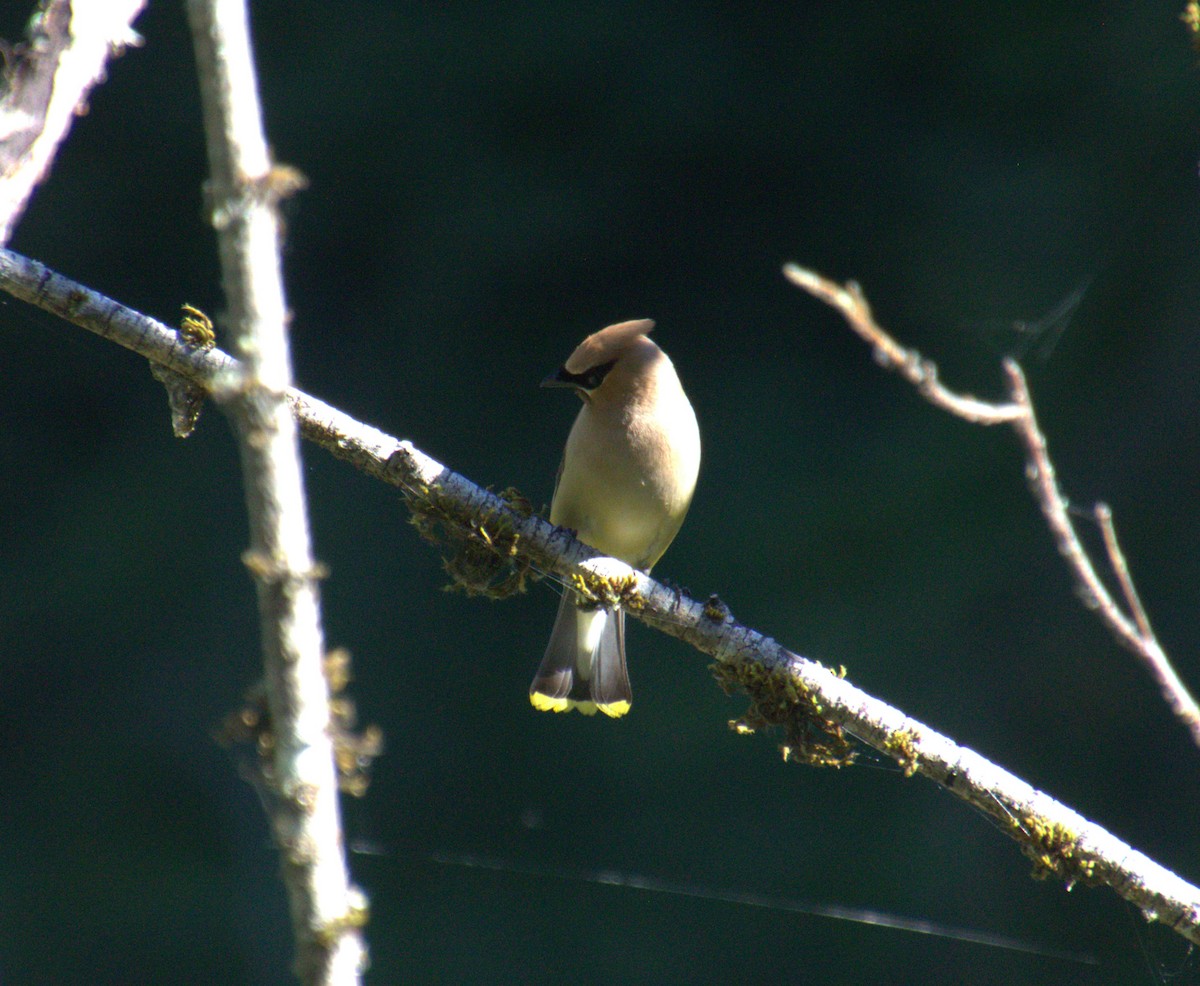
1130,626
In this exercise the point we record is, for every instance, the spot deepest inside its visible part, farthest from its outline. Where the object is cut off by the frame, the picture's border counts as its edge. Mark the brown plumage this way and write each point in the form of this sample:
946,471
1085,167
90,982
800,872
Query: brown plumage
624,486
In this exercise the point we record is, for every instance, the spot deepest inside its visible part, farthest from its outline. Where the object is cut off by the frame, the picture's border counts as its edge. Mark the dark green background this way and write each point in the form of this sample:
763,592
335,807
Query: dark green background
490,182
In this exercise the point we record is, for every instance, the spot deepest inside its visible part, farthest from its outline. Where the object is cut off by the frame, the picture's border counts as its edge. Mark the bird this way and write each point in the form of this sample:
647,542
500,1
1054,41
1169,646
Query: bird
624,486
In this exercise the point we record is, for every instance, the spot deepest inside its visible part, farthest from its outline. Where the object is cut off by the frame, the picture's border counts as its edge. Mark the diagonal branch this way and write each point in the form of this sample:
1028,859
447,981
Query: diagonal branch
785,688
1131,630
46,84
921,372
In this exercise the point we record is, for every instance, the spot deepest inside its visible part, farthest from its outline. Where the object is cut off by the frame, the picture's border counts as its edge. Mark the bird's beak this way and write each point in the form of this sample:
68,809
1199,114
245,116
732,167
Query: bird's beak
559,378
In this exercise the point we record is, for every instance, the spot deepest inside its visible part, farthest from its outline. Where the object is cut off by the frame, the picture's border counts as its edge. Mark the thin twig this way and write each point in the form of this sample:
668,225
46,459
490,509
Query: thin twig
919,371
1132,631
1058,839
306,821
1116,560
1039,470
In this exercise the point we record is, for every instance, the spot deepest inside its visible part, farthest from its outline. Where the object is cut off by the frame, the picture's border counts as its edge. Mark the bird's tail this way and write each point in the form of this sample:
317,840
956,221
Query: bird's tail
584,664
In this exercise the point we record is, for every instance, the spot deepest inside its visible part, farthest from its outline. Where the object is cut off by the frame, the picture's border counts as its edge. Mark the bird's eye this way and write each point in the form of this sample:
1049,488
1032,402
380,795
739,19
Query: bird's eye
591,378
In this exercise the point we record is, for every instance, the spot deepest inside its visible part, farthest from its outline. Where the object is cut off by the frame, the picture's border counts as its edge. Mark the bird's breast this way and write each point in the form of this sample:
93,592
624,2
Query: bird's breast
627,481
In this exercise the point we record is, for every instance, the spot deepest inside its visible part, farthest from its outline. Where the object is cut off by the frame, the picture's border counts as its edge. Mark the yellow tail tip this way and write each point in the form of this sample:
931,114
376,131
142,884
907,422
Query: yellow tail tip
614,709
548,703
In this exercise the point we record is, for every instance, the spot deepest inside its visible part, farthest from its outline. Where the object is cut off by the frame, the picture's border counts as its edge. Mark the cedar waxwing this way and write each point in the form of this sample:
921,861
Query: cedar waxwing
624,486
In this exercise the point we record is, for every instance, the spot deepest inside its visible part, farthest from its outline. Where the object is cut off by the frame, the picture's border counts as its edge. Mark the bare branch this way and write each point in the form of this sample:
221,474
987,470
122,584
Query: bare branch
915,368
305,815
801,692
1132,631
1116,560
47,82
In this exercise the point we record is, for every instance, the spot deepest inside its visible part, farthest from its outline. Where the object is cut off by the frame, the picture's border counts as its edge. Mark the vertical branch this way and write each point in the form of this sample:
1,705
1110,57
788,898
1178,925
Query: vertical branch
246,189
